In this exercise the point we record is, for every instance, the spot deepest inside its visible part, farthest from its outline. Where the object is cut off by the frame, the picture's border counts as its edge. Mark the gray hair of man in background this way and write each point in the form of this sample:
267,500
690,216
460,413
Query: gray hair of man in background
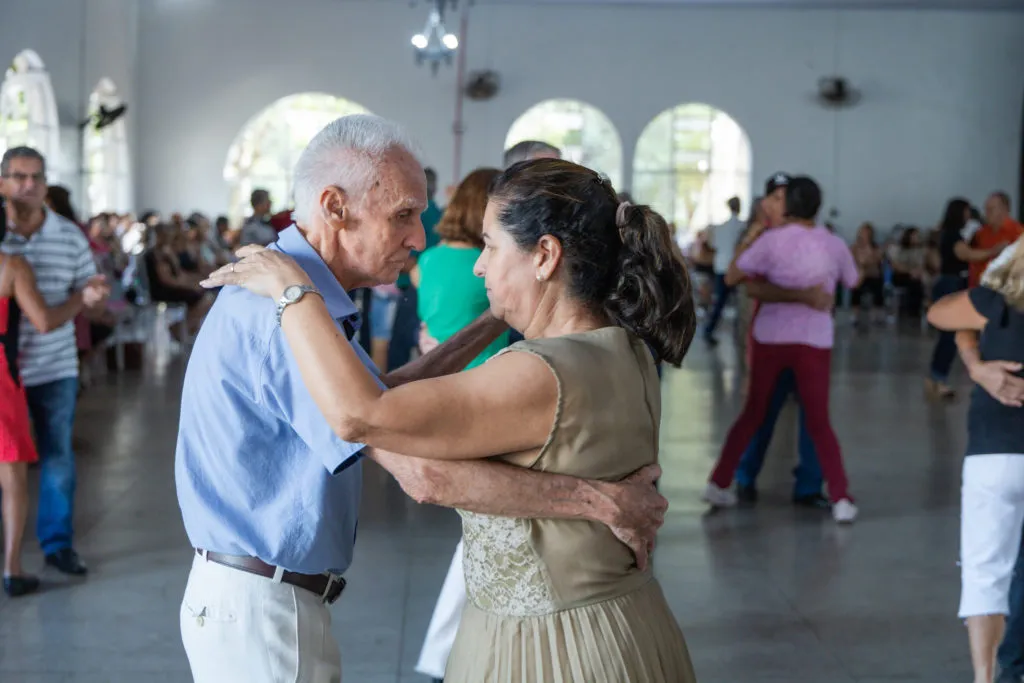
345,154
530,149
20,153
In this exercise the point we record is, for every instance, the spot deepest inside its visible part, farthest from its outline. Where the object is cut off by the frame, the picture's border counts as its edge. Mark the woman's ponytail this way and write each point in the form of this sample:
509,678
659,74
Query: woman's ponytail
652,296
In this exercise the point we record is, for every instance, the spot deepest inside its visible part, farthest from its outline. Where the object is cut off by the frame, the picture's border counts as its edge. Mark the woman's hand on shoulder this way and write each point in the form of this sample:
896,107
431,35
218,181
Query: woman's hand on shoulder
264,272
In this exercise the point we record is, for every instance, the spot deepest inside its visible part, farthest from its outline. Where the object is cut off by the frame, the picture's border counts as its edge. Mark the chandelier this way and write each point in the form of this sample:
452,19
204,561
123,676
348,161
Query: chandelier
435,44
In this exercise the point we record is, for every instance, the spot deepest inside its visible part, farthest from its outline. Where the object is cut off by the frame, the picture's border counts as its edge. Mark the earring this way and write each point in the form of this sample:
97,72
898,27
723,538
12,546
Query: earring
539,277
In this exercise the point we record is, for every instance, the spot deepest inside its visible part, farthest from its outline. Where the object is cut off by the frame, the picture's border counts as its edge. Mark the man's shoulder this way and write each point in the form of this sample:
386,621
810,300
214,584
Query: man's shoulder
67,232
238,323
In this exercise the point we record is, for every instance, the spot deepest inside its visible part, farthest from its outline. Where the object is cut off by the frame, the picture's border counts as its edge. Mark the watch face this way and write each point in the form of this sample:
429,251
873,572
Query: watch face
293,293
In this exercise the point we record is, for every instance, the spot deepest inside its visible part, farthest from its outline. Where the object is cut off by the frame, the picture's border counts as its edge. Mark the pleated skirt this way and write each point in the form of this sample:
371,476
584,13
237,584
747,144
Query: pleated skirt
630,639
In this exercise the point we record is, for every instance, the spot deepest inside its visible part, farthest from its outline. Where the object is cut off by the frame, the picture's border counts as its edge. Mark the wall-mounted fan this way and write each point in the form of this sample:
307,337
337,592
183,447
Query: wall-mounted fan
482,85
836,92
104,117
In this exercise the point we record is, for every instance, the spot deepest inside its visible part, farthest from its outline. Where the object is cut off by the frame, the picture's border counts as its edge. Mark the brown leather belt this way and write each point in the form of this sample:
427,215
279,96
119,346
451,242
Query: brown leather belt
327,586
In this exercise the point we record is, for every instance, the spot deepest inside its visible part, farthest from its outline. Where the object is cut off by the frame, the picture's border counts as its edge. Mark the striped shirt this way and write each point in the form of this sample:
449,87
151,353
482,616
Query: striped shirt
60,257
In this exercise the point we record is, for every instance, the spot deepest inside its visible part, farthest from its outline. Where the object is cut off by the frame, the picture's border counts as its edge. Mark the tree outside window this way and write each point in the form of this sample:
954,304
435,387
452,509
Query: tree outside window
105,155
264,152
584,134
689,161
28,110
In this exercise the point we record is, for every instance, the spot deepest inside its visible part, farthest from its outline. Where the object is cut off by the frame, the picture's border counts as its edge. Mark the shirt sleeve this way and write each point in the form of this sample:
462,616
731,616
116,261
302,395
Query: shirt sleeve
85,267
757,259
848,272
987,302
286,394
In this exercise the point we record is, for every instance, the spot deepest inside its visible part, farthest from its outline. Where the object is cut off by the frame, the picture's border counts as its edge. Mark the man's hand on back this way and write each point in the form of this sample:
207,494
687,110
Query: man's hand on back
637,511
819,298
999,379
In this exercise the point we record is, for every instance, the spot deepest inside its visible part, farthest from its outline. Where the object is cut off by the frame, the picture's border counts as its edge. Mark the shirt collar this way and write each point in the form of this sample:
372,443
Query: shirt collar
339,304
49,228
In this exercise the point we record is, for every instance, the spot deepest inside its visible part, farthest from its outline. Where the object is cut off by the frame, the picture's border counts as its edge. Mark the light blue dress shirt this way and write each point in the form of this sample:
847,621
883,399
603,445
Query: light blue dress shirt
258,470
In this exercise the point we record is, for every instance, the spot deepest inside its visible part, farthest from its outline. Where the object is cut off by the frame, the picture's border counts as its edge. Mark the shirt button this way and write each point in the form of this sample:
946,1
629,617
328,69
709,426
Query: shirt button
200,621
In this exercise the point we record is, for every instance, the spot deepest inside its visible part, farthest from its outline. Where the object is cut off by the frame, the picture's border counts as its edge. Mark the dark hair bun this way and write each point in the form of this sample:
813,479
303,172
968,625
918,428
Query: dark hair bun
618,258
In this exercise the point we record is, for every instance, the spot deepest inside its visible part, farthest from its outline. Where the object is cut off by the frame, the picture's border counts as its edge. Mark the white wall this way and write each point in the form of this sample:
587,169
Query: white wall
941,112
80,41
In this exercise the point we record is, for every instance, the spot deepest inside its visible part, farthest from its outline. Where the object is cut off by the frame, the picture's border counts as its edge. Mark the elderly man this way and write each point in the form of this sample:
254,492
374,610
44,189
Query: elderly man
59,254
1000,229
268,493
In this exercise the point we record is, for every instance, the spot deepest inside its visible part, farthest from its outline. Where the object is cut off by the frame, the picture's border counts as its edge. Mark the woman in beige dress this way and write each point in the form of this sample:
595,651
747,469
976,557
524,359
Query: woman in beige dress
593,284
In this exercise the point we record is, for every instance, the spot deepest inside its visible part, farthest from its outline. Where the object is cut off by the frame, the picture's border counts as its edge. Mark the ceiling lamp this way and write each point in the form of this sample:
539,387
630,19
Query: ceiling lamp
435,44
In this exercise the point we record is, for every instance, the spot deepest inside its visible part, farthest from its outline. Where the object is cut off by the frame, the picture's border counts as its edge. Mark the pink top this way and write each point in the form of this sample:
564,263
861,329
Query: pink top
797,257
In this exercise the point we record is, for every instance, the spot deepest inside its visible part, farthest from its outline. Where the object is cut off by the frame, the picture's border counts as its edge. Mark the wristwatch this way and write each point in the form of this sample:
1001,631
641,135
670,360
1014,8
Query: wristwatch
293,295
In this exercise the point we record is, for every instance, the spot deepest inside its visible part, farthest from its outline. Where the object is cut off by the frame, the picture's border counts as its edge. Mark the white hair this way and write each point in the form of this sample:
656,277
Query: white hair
345,153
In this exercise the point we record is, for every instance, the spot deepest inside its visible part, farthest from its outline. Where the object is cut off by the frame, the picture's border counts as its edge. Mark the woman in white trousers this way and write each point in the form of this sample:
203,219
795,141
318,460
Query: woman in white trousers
992,498
445,621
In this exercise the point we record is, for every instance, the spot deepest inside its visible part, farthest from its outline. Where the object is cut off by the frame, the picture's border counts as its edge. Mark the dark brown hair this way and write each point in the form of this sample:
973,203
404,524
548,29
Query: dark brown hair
618,260
463,219
59,199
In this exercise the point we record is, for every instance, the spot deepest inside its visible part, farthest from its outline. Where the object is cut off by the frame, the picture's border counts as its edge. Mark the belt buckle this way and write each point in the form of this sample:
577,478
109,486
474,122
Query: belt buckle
330,595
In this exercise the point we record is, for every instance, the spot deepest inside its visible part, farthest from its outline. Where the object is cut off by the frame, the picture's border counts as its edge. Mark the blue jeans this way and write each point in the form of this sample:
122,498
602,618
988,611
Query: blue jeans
945,347
808,471
52,408
722,293
405,330
1011,652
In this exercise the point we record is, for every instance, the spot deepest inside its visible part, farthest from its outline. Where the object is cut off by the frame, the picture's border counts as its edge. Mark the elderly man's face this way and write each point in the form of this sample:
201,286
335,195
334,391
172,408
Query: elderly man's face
385,225
995,211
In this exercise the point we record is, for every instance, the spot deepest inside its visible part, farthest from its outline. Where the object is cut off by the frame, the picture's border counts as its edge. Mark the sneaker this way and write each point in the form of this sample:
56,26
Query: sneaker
844,511
815,501
16,586
719,498
67,561
746,494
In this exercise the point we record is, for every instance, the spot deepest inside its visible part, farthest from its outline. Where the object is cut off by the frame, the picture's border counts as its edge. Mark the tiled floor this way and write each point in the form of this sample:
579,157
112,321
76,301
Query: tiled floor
771,594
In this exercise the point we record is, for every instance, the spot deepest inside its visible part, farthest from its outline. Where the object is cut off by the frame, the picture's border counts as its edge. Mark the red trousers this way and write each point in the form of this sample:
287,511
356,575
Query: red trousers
812,367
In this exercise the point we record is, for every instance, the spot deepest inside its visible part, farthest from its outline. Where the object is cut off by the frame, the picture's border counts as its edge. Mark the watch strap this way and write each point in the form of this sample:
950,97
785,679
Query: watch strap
284,302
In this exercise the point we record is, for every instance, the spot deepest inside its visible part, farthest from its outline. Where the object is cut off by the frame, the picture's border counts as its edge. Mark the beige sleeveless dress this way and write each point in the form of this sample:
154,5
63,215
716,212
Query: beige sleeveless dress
560,601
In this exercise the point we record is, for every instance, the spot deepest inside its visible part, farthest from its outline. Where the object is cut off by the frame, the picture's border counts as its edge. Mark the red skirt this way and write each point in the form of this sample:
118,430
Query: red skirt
16,443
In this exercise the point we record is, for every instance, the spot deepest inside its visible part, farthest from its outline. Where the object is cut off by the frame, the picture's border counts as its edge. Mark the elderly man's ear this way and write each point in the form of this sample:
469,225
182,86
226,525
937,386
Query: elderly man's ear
334,205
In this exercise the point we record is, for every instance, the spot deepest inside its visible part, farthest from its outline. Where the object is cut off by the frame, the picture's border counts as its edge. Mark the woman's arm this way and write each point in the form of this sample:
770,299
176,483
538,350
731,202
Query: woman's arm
816,297
956,312
43,317
414,276
972,255
506,405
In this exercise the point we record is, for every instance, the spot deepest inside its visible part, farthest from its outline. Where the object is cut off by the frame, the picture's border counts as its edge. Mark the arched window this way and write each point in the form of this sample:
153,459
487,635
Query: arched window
584,134
28,110
264,152
105,153
689,161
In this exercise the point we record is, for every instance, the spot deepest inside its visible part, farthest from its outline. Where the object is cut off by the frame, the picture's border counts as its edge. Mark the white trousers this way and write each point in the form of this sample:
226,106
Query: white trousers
242,628
991,519
444,624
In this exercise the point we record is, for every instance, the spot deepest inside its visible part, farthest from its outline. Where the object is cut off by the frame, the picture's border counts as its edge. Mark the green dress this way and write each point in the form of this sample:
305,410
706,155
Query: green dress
450,296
